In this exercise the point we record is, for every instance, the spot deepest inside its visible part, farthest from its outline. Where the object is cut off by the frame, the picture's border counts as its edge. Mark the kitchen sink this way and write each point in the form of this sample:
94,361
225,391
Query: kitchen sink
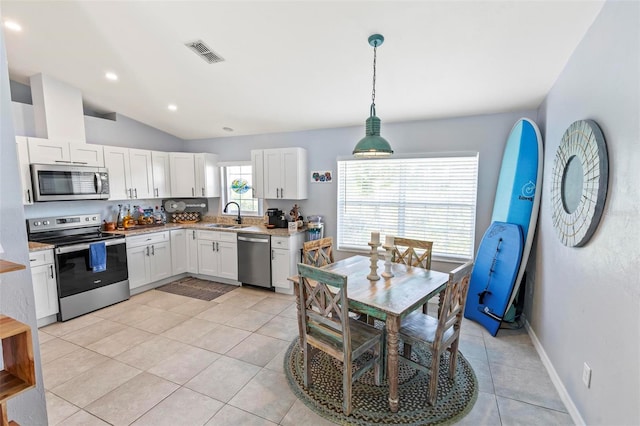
226,226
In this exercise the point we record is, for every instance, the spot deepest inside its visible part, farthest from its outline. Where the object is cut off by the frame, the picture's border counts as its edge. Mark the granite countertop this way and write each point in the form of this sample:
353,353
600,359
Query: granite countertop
254,229
33,246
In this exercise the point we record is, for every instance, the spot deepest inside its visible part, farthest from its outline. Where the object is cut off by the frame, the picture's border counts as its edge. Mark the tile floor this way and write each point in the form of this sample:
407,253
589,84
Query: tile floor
163,359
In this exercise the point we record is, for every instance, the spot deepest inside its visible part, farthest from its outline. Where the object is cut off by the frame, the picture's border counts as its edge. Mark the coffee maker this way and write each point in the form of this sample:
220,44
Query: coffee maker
276,218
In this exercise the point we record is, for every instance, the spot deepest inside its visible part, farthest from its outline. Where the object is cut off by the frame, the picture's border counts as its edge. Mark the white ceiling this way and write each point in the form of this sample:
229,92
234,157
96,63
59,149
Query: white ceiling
297,65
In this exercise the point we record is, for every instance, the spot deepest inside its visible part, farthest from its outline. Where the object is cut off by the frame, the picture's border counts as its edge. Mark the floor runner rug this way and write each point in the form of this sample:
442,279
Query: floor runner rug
196,288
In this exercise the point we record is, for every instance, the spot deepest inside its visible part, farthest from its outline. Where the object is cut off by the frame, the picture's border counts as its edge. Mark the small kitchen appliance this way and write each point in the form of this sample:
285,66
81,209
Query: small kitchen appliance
53,182
276,218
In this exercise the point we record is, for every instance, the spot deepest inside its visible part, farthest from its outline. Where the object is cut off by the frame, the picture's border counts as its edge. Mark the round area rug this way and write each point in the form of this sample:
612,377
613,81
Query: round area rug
370,402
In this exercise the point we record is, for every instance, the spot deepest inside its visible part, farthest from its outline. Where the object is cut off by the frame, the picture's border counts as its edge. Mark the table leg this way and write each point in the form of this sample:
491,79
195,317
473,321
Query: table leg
393,326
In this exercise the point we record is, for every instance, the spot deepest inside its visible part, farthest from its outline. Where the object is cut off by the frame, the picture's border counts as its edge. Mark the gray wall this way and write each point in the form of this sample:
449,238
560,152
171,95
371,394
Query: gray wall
16,289
485,134
586,301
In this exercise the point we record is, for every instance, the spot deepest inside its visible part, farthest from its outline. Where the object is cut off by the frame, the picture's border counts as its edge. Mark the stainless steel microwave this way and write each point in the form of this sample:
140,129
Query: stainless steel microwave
53,182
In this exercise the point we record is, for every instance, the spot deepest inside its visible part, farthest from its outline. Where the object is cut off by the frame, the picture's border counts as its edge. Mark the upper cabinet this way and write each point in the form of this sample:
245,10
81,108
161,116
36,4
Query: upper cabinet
46,151
284,173
194,175
161,174
130,173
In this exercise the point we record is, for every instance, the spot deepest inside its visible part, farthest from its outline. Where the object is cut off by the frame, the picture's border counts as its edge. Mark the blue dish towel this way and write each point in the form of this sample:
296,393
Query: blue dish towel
98,256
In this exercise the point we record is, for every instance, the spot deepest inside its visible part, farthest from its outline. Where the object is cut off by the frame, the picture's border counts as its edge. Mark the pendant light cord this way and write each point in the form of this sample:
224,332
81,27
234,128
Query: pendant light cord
373,92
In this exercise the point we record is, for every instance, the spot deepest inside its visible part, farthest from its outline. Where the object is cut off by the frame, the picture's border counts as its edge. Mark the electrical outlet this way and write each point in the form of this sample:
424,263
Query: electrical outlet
586,375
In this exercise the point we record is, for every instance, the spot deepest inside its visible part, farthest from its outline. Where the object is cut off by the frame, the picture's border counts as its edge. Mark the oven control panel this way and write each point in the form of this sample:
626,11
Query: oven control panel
62,222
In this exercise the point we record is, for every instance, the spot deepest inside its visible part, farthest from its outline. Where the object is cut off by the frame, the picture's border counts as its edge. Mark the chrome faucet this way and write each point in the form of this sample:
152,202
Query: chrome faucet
239,218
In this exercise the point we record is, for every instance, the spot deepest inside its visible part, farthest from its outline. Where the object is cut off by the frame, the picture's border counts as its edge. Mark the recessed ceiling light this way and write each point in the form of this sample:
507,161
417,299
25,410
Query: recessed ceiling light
172,107
111,76
13,26
227,129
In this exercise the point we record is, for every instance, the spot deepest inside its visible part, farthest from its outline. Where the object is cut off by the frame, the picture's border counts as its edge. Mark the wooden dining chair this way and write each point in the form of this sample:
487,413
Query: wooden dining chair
439,334
328,328
412,252
318,252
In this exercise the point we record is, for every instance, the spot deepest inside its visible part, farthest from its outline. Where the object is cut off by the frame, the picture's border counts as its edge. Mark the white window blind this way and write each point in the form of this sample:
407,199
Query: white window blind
429,198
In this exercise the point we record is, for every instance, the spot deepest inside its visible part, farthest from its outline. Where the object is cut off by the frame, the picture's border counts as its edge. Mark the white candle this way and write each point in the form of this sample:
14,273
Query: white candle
375,237
388,240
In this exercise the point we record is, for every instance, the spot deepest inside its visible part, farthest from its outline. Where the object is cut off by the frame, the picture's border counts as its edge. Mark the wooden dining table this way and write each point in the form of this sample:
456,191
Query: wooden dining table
387,299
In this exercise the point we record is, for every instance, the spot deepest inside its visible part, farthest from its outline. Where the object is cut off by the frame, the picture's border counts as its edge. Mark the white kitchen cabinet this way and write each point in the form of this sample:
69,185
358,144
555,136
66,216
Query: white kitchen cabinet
194,175
141,173
85,154
161,176
192,251
207,175
183,174
284,173
257,173
285,256
25,172
217,254
148,258
45,290
47,151
179,253
130,173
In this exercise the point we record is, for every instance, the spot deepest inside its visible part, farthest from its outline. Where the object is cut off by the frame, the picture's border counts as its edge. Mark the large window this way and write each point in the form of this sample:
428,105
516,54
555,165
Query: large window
237,186
428,198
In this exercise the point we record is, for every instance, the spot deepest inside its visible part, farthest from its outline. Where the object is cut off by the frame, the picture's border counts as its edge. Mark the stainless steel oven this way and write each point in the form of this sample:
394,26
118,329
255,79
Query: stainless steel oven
80,289
52,182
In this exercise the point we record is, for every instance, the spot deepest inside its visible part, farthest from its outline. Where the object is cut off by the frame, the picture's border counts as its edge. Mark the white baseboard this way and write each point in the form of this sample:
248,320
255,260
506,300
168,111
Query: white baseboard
555,379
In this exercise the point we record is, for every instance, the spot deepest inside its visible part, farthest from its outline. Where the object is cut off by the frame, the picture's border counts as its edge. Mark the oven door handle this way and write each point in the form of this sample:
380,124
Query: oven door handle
78,247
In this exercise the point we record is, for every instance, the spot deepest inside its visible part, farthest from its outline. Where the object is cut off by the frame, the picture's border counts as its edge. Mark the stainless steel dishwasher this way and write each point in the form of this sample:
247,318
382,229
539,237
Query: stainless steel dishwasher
254,259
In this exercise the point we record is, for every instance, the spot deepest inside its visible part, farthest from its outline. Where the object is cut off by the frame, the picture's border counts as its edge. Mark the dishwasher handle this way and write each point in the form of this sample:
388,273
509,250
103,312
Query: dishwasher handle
254,240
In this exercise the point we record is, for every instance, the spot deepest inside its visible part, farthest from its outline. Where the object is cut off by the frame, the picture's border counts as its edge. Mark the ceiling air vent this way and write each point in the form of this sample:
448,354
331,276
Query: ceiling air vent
204,51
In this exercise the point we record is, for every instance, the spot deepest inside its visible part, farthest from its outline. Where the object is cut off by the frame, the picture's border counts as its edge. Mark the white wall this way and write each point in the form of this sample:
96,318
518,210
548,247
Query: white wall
586,301
16,290
485,134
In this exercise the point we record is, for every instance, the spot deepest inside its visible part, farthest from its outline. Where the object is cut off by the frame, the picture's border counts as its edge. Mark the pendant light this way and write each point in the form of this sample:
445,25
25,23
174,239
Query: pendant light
373,145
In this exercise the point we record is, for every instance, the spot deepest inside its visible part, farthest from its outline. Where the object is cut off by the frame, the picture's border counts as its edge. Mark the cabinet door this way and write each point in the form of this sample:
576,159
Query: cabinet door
85,154
138,265
227,260
182,169
141,173
273,185
192,251
280,268
160,261
207,258
25,173
179,253
45,291
294,174
207,175
45,151
116,160
161,182
257,173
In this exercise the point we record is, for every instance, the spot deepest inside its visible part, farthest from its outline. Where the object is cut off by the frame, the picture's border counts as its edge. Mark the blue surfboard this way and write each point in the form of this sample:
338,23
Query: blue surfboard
517,200
494,271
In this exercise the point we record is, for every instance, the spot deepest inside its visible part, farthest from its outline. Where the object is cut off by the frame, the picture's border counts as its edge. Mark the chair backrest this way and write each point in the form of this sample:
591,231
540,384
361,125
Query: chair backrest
318,252
455,298
324,311
412,252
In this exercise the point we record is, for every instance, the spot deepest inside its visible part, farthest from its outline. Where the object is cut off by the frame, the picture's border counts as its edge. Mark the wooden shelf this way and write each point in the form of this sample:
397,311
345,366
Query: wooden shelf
17,355
6,266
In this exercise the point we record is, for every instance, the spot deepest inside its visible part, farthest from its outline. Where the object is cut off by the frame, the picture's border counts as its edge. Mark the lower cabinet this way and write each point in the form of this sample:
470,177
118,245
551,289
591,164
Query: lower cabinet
217,254
45,289
148,258
285,255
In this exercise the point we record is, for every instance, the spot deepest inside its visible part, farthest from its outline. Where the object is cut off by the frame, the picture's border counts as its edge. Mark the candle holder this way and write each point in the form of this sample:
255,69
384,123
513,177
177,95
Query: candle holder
373,276
387,262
